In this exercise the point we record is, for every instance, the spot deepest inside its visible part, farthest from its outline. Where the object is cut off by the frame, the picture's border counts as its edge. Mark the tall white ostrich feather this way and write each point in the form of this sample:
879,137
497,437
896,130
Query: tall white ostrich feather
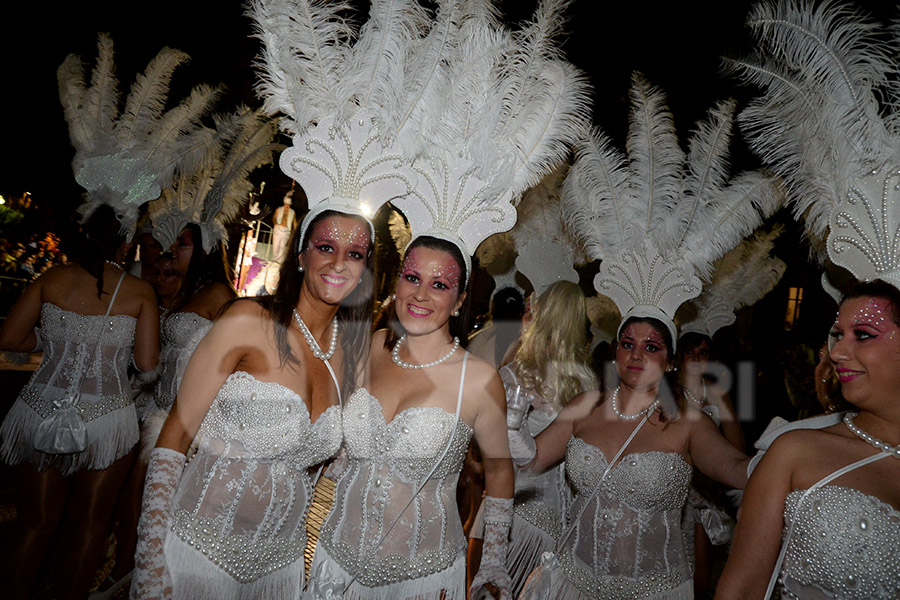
827,113
656,217
126,158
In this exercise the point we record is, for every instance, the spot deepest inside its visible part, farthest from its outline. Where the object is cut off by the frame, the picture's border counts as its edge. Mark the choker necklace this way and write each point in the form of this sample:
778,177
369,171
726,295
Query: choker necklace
625,417
311,341
883,446
395,356
702,402
115,264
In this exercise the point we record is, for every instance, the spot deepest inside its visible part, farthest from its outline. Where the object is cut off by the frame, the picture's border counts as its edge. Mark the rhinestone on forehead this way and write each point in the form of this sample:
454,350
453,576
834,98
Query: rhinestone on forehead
654,336
450,271
331,230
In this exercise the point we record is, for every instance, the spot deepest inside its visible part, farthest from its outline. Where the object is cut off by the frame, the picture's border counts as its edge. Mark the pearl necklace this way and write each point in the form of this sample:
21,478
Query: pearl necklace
311,341
395,356
625,417
702,402
115,264
871,439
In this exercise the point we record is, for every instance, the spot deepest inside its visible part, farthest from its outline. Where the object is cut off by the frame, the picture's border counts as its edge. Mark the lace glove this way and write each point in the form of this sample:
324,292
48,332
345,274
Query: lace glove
151,576
497,519
521,445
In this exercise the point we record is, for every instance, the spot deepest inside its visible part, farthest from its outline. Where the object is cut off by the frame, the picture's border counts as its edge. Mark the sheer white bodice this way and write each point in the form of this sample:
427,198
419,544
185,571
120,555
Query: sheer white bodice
242,500
628,541
87,355
87,351
844,544
387,463
179,335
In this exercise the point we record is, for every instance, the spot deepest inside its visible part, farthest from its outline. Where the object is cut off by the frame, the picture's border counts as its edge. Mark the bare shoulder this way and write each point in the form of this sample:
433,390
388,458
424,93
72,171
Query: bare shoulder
245,312
139,287
582,404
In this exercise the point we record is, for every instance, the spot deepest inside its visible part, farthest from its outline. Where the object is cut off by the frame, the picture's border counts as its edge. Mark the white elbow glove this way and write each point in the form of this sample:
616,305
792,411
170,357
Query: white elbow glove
497,520
151,575
521,445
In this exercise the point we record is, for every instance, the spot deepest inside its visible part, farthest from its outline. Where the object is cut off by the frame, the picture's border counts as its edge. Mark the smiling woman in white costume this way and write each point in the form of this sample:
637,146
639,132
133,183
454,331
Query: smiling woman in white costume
821,514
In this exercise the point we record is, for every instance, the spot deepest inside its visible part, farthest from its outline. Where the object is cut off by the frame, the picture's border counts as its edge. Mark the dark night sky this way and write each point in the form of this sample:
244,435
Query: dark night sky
677,45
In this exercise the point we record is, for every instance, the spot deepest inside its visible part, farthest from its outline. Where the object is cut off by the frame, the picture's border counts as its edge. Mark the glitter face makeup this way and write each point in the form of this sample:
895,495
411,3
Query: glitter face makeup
865,347
641,357
428,290
330,230
448,272
335,258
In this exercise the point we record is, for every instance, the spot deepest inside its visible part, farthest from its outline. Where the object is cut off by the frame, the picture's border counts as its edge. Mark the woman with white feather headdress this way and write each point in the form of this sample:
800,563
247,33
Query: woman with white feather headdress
264,387
741,278
190,218
820,518
73,430
491,111
657,219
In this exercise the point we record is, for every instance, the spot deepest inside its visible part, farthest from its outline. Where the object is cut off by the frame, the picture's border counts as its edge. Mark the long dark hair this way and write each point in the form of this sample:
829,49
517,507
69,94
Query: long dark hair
101,238
459,325
203,268
354,315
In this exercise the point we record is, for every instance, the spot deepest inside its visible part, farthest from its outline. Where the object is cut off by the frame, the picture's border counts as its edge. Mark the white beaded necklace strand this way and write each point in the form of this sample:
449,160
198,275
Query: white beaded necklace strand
871,439
702,402
625,417
313,344
395,356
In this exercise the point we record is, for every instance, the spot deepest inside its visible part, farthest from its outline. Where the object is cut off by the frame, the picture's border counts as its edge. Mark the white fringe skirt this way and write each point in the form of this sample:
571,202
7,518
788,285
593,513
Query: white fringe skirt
326,577
196,577
110,436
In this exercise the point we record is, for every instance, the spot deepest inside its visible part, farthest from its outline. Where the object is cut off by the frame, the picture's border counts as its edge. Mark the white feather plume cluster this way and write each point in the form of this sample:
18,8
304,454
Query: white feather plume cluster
480,111
507,109
658,217
546,250
741,278
124,156
212,196
827,121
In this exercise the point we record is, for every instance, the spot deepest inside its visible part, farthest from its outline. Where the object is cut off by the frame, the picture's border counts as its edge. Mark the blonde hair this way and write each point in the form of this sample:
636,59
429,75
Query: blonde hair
553,358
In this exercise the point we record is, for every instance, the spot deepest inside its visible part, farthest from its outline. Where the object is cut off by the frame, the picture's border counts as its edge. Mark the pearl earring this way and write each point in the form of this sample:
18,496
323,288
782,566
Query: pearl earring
455,313
300,268
393,297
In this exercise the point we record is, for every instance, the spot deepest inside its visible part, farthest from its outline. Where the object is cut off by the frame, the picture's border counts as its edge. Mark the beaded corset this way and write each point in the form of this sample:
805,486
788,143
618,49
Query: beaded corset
92,351
628,542
179,335
844,545
387,463
242,500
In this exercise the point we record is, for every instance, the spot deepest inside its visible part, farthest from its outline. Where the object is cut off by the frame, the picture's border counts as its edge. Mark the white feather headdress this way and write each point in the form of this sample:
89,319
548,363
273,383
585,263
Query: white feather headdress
827,122
506,108
546,249
656,218
126,158
340,90
741,278
212,196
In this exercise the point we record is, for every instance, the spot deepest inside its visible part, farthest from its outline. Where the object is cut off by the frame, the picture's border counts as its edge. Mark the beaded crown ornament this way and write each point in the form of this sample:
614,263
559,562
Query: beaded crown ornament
741,278
658,218
821,125
340,90
505,108
212,196
126,158
546,249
